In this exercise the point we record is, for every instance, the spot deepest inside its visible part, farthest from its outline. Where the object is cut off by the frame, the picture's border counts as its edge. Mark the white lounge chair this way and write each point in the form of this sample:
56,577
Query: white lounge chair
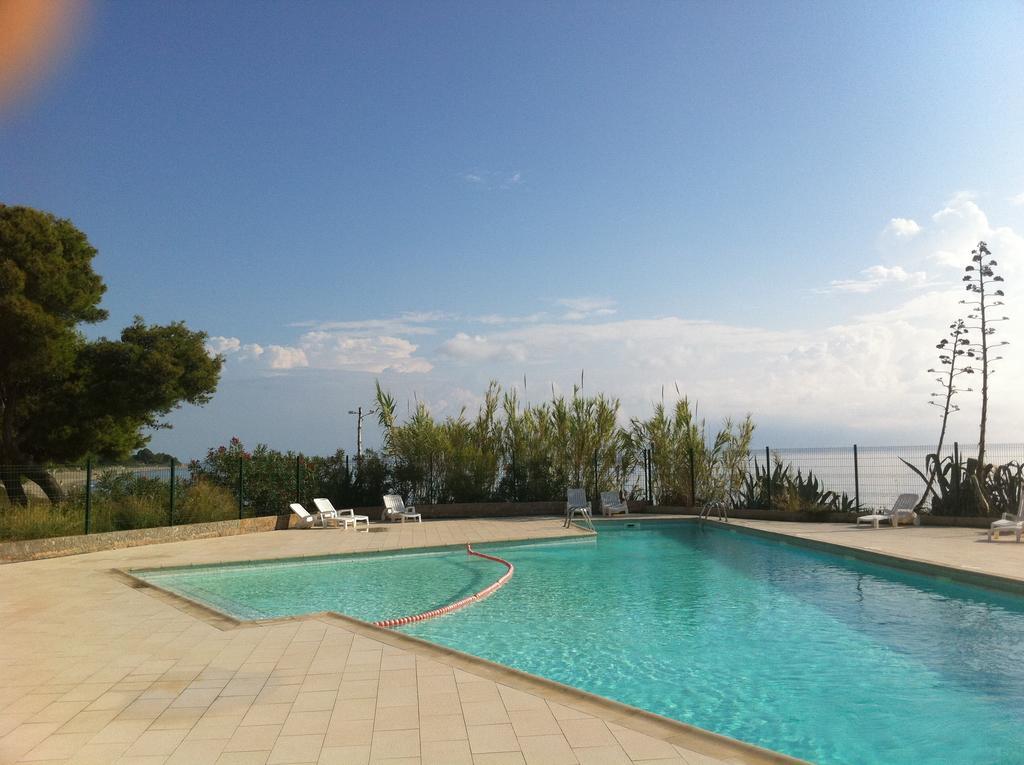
576,504
1008,522
611,504
314,519
348,517
903,507
395,508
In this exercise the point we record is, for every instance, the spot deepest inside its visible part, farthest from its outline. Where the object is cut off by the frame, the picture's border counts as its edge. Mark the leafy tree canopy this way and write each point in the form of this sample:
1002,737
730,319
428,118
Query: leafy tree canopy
63,397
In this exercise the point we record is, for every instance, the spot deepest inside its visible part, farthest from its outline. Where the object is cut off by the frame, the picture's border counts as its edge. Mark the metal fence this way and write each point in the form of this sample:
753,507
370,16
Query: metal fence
88,498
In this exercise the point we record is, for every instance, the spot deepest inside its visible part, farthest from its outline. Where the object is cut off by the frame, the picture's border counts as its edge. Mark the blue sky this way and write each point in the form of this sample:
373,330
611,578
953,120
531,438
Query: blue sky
440,194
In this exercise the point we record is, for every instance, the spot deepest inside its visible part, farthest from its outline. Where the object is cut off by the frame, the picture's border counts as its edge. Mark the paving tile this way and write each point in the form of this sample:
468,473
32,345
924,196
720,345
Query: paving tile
454,752
267,714
177,719
253,738
295,749
58,712
278,694
299,723
499,758
196,697
222,727
197,753
442,728
547,750
98,754
88,722
230,705
59,746
120,731
534,722
156,742
492,738
441,703
479,691
313,701
344,755
602,755
243,758
587,732
395,743
640,746
484,712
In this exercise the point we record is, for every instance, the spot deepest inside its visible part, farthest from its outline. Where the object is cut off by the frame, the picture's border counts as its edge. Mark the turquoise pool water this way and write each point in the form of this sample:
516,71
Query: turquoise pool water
826,658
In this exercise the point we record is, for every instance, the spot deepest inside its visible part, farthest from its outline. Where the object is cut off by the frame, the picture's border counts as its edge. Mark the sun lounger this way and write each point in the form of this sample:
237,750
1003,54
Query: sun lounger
395,509
903,507
314,519
1009,523
611,504
348,517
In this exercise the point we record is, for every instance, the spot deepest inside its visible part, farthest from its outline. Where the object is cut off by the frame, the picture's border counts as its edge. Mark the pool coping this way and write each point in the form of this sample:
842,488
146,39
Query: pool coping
905,563
657,726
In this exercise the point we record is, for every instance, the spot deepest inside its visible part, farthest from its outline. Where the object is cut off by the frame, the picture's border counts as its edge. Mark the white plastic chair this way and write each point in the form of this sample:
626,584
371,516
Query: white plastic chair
903,506
348,517
1008,522
577,504
312,519
611,504
395,507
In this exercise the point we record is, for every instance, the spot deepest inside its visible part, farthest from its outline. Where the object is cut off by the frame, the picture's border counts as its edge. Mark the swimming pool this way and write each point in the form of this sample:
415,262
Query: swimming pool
826,658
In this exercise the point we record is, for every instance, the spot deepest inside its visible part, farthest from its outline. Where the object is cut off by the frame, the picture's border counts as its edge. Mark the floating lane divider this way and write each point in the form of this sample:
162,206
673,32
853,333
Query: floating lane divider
459,603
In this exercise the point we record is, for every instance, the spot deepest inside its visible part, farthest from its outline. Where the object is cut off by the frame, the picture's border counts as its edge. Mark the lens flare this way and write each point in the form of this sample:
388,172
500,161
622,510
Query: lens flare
35,36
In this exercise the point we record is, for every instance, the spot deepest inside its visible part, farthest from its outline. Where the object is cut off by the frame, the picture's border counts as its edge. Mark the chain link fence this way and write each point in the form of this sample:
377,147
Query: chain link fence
92,498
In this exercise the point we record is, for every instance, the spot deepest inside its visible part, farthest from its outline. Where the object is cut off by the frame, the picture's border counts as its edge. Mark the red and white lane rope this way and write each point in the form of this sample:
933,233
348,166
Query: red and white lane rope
459,603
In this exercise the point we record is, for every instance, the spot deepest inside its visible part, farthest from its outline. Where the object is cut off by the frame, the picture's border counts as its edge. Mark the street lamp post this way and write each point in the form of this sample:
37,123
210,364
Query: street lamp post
359,431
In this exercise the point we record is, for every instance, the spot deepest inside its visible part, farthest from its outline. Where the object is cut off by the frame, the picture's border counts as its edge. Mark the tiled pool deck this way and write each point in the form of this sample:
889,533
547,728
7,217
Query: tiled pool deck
93,670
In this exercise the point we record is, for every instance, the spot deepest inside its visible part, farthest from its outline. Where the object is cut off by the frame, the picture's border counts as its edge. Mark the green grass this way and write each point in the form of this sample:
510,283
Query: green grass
116,511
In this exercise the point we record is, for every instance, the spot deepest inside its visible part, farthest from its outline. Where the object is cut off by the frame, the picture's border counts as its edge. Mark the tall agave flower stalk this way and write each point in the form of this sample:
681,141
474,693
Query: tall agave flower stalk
982,281
950,350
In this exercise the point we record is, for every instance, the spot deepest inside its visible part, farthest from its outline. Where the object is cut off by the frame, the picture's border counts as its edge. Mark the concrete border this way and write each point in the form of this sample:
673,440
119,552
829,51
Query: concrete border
916,565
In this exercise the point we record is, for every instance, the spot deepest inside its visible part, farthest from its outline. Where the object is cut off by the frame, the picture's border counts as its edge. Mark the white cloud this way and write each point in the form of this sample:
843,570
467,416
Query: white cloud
903,228
408,323
489,179
497,318
477,348
285,357
1017,200
220,344
875,278
586,307
330,350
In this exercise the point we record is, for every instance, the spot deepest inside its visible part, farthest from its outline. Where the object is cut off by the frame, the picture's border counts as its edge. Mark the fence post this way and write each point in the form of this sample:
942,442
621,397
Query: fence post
856,478
955,476
693,480
597,487
88,491
650,475
768,473
241,467
170,506
515,485
298,478
430,479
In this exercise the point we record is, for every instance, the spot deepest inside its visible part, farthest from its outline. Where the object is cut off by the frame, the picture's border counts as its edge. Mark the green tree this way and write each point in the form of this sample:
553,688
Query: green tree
63,397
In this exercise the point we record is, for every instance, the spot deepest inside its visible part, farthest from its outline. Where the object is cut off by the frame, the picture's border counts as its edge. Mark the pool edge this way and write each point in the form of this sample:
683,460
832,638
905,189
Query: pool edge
916,565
